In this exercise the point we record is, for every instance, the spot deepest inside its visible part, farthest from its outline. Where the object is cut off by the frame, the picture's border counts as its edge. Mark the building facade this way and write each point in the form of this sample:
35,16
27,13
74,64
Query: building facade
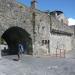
51,29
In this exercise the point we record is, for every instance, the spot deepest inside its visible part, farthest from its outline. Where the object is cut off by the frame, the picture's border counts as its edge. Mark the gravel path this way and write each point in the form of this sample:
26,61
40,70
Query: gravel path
30,65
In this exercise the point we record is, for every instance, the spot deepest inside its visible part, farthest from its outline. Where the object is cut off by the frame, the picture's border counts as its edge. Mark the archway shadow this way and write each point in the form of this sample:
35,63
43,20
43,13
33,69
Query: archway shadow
15,34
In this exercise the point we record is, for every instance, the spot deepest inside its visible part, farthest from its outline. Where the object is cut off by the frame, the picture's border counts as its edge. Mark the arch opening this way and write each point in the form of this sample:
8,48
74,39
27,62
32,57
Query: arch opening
13,35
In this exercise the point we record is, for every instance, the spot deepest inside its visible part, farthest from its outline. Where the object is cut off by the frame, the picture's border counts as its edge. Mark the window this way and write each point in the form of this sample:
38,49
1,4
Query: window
44,42
24,21
43,27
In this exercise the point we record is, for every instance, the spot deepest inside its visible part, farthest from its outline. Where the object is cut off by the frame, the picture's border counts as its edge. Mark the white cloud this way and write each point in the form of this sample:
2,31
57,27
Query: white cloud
71,21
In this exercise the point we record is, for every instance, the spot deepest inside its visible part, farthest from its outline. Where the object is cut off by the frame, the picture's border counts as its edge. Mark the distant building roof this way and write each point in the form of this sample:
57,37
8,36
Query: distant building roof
58,12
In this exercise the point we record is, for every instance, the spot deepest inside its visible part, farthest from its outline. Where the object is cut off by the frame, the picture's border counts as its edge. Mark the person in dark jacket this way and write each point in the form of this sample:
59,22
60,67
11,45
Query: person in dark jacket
20,50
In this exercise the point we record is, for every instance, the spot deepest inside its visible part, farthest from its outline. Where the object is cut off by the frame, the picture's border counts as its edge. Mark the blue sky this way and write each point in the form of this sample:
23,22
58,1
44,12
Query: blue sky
67,6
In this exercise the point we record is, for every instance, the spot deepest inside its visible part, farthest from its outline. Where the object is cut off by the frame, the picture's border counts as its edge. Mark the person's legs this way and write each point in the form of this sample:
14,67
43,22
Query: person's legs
21,54
18,54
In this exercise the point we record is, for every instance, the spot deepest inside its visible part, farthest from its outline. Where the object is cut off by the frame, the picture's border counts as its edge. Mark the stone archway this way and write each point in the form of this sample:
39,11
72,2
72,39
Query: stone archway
15,34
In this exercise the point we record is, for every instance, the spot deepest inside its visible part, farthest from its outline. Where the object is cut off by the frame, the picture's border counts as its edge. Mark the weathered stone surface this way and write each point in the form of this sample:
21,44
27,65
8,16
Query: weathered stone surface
60,42
15,14
57,25
15,17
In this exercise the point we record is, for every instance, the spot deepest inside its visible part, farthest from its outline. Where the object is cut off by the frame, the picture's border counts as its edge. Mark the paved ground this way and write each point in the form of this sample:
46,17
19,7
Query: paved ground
30,65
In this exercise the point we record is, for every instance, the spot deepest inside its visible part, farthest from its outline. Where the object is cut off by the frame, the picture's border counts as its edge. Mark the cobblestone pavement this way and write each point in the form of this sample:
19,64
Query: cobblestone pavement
29,65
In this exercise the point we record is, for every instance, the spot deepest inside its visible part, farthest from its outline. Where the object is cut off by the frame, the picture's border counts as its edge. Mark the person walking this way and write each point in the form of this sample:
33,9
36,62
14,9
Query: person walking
20,50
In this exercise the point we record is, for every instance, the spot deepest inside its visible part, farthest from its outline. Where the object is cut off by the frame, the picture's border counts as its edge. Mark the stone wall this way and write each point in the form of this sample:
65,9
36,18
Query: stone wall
62,36
14,14
59,26
58,41
42,33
